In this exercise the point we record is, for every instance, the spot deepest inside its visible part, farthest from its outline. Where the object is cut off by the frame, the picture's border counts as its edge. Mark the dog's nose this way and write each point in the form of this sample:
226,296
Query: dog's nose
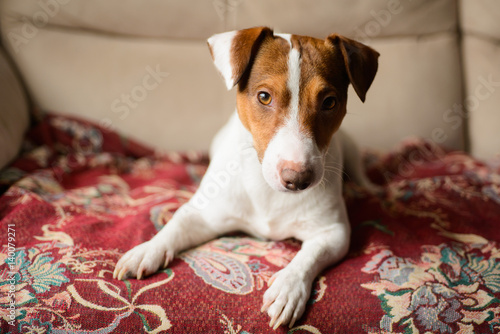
295,180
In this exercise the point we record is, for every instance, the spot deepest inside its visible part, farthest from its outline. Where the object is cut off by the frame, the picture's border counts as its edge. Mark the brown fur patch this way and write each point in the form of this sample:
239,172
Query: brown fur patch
323,74
361,62
269,73
244,46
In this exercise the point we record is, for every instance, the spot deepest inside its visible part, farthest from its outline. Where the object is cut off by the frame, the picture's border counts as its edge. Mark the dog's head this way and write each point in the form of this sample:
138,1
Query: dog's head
292,95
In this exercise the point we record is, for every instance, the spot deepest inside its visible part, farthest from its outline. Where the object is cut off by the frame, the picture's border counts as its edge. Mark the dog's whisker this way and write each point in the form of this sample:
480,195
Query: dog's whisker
334,169
322,184
339,167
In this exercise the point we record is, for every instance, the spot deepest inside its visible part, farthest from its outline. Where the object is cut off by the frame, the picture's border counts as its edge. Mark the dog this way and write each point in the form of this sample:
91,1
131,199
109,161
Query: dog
276,166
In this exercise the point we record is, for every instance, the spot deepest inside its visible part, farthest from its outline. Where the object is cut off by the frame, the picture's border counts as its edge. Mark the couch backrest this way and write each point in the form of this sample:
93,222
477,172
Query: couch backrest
143,67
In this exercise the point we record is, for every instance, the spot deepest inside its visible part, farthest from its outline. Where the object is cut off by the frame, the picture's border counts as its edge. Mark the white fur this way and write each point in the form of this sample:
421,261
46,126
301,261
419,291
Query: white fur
293,82
238,193
289,144
220,45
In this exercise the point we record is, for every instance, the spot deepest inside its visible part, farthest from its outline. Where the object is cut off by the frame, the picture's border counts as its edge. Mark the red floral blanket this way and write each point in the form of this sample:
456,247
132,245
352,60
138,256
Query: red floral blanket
425,257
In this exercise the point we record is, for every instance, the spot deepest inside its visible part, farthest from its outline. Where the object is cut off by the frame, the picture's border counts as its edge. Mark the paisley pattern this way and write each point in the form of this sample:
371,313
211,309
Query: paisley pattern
226,263
220,271
425,256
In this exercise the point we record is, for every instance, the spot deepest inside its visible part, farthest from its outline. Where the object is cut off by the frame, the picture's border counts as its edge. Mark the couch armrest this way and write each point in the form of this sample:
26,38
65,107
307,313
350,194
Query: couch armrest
481,53
13,111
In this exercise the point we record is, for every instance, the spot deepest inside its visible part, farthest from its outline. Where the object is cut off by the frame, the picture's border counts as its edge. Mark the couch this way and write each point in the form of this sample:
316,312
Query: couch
107,109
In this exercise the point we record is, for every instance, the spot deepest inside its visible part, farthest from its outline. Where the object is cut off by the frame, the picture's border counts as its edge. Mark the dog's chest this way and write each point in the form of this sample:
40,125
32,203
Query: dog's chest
274,215
248,204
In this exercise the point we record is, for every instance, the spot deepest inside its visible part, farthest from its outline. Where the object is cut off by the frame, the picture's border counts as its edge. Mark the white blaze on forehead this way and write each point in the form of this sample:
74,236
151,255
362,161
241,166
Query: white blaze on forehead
293,82
294,145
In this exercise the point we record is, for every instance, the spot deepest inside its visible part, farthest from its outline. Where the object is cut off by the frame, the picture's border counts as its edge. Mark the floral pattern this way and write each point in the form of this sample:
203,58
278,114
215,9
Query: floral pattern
425,256
41,272
449,289
35,327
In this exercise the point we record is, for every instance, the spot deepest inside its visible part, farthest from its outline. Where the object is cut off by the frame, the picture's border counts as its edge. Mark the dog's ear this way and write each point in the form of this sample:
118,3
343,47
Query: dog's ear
361,62
232,51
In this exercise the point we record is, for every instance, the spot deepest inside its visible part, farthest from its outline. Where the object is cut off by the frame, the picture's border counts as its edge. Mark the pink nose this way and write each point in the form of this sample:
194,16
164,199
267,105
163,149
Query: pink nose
294,177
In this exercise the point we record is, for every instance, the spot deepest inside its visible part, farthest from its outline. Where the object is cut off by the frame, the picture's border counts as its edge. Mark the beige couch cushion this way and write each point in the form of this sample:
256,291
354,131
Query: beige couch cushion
159,93
417,83
94,59
13,112
481,24
363,20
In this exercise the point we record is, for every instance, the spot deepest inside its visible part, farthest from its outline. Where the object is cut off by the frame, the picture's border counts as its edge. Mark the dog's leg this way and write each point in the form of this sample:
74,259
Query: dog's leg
290,288
186,229
353,165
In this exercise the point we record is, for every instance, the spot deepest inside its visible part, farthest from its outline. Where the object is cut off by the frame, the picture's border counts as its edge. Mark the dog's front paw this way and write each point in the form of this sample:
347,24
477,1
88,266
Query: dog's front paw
285,299
142,260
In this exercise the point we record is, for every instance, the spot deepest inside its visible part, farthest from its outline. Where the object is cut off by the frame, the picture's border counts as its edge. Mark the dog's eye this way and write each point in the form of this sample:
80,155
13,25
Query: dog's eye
329,103
264,98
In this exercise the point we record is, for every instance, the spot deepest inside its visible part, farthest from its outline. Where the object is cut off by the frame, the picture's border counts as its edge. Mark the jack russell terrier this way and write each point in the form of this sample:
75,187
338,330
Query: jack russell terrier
278,160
